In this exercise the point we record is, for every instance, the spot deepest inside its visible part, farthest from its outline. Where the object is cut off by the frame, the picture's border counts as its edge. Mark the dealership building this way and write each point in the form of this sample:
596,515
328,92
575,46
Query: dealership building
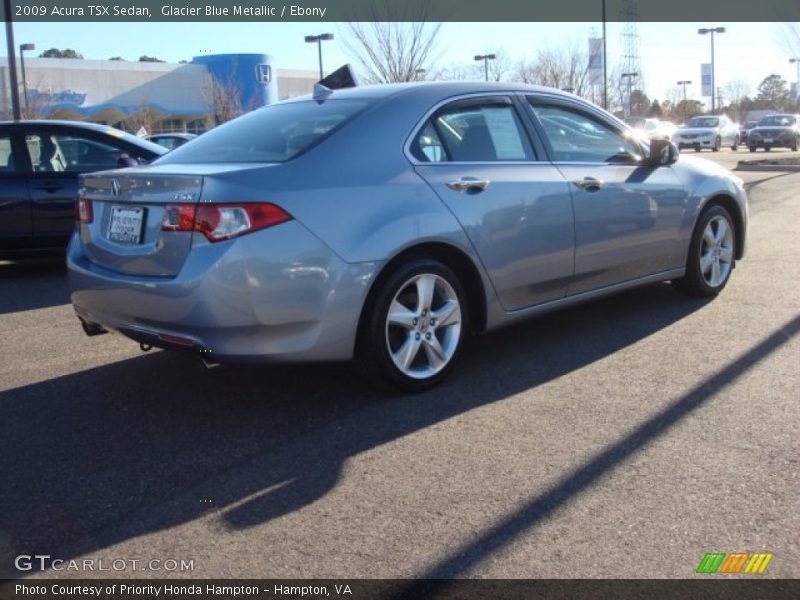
158,96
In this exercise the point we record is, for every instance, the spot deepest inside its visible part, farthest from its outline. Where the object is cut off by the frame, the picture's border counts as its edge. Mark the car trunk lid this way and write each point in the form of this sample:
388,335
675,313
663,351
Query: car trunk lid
127,209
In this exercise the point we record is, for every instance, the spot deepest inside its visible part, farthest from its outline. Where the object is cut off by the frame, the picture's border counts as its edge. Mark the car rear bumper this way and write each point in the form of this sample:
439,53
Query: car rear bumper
279,294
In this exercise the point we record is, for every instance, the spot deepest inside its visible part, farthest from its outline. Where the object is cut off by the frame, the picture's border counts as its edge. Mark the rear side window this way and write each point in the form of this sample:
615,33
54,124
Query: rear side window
272,134
473,133
7,162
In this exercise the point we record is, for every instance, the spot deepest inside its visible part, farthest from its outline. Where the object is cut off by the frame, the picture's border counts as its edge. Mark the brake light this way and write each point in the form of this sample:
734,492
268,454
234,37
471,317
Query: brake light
222,221
83,210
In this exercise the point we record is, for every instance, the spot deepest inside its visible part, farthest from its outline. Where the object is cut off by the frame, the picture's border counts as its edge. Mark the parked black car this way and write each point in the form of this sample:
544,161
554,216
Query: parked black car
39,166
775,131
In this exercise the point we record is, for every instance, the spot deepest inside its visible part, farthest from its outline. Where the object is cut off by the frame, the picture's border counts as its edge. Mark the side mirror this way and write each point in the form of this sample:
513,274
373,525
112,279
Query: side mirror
126,161
662,153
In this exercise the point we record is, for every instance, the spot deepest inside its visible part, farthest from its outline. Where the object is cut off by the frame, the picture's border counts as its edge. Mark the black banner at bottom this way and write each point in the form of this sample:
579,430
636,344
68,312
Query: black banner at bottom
367,589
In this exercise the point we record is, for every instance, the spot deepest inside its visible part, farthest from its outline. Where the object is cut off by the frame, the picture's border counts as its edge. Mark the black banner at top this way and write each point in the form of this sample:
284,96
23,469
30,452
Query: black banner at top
404,10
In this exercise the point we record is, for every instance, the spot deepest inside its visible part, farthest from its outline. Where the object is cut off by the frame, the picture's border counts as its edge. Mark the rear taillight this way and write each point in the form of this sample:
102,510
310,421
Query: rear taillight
222,221
83,210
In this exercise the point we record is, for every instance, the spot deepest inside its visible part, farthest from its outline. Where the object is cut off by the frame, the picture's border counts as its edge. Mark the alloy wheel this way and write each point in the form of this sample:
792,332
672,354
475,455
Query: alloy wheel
423,326
716,251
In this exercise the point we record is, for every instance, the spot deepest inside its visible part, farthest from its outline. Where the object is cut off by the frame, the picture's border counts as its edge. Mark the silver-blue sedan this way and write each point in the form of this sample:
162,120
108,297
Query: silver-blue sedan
389,222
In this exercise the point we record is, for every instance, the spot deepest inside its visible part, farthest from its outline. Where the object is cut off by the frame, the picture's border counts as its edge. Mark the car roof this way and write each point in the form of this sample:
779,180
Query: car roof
445,88
95,127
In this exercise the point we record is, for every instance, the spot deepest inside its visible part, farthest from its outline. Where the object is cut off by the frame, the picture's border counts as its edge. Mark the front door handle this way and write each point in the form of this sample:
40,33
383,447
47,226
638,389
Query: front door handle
469,183
590,184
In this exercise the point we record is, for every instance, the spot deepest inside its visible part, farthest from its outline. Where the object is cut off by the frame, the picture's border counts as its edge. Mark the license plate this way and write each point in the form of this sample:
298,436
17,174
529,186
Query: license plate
125,225
768,140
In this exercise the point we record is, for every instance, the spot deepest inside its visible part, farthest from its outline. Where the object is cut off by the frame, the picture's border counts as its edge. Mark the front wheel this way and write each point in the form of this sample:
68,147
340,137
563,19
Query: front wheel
735,145
416,325
711,254
717,144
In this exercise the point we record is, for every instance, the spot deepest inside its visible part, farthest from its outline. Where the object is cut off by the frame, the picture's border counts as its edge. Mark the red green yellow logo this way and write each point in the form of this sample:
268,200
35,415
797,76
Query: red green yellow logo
735,562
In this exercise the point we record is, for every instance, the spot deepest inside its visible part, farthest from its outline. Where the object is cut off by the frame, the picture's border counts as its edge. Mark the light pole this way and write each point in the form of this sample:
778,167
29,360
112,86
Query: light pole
318,39
712,31
684,83
485,58
22,49
12,61
605,71
629,77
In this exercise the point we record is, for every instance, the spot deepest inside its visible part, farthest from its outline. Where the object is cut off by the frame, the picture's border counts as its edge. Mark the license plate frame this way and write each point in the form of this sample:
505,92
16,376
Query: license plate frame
125,225
768,140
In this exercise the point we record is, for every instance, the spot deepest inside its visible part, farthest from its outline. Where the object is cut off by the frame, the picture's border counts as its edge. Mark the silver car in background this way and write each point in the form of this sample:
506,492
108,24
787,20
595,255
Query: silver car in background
711,131
386,223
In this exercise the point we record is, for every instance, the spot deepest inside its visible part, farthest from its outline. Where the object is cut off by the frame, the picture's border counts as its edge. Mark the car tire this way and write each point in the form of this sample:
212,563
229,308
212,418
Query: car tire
416,325
717,144
794,147
697,148
712,254
735,145
752,148
767,148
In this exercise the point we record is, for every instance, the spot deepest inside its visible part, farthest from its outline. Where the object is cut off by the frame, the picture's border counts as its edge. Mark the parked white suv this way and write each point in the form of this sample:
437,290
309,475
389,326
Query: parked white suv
708,132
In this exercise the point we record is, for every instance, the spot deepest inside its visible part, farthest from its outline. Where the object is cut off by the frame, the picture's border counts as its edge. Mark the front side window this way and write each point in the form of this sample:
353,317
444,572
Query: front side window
272,134
578,137
473,133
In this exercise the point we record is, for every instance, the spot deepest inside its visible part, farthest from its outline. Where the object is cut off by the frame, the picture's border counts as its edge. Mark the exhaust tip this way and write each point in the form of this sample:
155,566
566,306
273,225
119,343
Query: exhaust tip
92,329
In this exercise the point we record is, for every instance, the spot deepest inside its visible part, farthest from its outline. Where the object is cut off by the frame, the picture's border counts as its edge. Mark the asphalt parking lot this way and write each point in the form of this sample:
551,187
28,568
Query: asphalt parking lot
624,438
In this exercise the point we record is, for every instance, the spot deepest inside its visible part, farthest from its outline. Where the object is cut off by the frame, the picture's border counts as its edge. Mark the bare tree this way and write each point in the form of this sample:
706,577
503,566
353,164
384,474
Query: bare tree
500,69
396,45
223,99
36,103
144,118
789,38
565,68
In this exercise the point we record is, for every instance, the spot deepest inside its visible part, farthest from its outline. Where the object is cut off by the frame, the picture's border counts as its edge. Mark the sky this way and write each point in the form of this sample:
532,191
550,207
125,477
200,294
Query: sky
669,51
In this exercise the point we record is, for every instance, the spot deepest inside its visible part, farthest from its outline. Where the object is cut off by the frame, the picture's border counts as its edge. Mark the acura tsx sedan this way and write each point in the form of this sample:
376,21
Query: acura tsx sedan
386,223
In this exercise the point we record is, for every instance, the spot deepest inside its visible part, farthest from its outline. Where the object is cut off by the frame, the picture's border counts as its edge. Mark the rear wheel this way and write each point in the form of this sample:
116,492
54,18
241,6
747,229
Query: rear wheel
767,148
752,148
717,144
416,325
735,145
711,254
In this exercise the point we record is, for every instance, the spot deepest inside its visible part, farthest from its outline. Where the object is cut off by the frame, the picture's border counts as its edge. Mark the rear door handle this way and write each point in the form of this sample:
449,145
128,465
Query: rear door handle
590,184
469,183
50,186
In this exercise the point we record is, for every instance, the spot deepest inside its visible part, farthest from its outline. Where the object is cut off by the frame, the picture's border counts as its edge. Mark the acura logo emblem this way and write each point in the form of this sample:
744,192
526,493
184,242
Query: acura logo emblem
115,188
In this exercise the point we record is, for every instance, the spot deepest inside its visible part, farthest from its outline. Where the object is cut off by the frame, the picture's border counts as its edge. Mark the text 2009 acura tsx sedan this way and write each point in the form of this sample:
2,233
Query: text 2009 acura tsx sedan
388,222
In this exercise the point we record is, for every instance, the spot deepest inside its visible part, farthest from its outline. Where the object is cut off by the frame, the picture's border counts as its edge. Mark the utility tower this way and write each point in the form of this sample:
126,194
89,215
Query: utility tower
630,61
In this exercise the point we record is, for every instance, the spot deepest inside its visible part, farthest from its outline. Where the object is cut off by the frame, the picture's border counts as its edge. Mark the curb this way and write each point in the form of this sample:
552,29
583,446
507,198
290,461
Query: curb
784,168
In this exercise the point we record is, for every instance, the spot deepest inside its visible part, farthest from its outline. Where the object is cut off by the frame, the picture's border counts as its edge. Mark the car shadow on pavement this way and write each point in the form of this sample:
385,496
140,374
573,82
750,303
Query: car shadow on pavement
31,284
98,457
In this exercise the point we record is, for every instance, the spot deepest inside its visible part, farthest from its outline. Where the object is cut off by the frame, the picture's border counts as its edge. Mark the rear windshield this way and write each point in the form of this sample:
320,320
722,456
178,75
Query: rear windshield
777,121
703,122
272,134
